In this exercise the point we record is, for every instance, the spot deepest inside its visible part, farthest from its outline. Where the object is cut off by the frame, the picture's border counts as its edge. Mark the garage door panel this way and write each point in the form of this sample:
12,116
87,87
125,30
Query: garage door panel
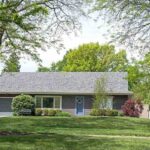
5,104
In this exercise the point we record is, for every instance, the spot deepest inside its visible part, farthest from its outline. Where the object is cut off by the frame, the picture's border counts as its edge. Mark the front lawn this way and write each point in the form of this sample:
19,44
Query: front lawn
74,133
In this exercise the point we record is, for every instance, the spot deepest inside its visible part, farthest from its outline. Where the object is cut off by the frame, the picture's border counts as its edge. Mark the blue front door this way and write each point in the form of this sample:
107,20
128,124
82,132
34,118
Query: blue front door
79,105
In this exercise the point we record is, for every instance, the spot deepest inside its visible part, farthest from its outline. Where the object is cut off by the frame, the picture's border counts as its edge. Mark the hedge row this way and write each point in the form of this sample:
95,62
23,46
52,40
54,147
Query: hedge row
51,112
104,112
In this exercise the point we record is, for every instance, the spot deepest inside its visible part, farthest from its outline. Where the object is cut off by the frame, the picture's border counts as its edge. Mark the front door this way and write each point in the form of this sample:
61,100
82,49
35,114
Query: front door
79,105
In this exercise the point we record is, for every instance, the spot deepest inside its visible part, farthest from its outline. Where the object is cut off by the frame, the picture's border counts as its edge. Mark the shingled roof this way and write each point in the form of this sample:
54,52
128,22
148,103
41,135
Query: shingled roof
61,82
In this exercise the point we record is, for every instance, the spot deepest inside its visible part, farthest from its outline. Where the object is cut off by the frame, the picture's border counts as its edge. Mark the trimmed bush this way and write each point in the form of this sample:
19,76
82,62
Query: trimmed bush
132,108
45,112
52,112
38,112
95,112
98,112
58,111
104,112
120,113
111,112
63,114
22,102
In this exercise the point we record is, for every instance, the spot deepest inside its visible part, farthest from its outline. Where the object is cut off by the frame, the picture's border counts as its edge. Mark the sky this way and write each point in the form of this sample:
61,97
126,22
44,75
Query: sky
90,32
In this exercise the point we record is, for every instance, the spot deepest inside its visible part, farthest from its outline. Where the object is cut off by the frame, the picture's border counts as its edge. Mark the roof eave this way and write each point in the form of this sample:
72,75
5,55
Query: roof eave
67,93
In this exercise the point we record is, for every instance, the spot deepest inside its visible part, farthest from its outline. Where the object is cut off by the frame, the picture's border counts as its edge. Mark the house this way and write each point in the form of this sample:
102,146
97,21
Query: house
69,91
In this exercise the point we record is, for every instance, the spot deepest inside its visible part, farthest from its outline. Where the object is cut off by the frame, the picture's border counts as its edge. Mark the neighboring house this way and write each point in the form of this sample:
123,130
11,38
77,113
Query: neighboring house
70,91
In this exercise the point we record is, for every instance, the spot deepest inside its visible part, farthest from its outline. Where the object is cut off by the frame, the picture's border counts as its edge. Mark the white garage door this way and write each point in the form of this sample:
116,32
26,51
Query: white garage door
5,104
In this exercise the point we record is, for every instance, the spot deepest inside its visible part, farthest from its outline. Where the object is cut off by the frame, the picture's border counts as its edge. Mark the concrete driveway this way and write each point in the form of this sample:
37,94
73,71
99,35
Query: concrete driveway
5,114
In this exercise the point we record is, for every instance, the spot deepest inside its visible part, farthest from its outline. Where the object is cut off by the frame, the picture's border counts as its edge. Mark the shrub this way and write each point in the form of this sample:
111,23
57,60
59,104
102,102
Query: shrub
58,111
111,112
120,113
98,112
52,112
22,102
95,112
38,112
63,114
132,108
45,112
104,112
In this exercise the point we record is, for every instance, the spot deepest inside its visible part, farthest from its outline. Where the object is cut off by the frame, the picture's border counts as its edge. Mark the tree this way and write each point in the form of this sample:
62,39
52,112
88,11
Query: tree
142,88
100,100
29,25
12,64
93,57
43,69
130,19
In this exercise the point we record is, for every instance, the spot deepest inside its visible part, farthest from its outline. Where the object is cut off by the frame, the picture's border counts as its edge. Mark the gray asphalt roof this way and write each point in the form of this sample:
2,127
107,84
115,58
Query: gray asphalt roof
62,82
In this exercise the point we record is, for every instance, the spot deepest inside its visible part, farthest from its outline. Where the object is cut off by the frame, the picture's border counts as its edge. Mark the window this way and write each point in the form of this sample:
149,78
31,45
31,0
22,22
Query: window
57,102
108,104
48,102
38,102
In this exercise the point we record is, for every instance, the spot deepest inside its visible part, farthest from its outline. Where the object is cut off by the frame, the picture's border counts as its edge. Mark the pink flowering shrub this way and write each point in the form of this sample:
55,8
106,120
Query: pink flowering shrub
132,108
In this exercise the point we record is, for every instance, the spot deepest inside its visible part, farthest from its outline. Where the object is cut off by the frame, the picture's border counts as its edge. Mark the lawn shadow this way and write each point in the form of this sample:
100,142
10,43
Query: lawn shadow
67,142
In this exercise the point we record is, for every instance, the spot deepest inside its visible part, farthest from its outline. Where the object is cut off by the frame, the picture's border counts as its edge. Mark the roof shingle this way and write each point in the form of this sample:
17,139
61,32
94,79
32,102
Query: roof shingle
62,82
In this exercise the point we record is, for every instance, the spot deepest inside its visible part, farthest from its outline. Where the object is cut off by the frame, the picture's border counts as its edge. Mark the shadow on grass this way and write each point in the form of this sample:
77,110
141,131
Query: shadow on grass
85,125
69,142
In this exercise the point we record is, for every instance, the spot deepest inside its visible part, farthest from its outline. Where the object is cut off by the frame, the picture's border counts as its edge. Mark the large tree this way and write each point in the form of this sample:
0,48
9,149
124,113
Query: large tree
29,25
130,20
142,87
93,57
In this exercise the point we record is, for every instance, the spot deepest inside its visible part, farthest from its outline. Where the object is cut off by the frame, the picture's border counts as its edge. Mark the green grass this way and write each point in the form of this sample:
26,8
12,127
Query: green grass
75,133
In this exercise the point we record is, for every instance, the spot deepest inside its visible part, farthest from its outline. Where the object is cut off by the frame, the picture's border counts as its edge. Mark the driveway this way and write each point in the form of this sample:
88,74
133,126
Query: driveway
5,114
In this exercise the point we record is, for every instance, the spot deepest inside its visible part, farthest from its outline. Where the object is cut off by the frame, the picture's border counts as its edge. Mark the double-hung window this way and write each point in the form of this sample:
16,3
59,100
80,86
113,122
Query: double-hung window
48,102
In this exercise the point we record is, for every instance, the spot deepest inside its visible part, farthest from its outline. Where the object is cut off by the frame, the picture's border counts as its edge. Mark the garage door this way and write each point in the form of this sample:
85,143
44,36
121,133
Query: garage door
5,104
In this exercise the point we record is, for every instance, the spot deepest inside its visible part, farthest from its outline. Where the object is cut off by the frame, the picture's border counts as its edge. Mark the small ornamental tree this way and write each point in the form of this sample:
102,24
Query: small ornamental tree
100,99
22,102
132,108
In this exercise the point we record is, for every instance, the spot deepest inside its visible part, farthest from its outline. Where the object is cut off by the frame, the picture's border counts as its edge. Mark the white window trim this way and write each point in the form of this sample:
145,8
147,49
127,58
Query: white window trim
50,96
110,98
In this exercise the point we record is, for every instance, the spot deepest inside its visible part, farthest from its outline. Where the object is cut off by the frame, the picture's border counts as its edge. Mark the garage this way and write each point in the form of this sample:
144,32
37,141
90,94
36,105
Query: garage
5,104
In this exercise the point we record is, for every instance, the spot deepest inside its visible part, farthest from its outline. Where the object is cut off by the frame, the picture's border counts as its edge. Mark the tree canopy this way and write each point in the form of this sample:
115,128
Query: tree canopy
29,25
142,87
130,20
93,57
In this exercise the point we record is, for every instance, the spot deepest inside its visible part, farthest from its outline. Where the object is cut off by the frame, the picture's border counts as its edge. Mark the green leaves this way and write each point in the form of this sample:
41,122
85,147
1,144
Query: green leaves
93,57
100,99
28,26
12,64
